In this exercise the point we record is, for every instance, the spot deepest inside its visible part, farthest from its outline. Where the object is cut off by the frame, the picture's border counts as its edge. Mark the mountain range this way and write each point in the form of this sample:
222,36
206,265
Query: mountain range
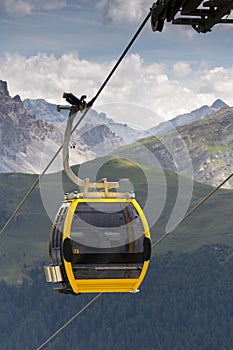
29,139
48,112
188,118
31,132
205,147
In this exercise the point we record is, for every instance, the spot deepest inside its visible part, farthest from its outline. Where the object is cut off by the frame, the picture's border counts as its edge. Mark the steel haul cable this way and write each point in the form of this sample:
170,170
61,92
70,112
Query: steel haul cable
69,321
191,211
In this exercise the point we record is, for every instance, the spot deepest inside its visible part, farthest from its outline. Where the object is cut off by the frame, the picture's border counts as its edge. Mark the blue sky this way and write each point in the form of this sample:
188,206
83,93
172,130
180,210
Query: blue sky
48,47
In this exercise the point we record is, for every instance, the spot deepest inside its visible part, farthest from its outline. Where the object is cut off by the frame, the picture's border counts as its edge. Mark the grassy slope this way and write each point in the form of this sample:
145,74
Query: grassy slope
25,242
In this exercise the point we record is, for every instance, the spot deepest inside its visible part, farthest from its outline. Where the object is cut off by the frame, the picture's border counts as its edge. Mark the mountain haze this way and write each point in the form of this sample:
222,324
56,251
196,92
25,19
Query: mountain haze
29,138
209,143
188,118
21,134
29,141
48,112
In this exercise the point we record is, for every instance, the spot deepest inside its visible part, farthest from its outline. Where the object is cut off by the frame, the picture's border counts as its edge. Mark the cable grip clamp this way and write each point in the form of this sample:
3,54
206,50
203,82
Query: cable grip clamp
77,104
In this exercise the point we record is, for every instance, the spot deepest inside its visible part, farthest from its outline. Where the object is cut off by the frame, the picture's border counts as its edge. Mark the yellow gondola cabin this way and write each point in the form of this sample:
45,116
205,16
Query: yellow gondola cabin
99,245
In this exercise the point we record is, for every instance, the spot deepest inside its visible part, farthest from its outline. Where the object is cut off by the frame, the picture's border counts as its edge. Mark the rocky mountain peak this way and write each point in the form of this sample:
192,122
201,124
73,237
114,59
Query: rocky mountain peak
218,104
188,118
20,132
17,99
3,89
31,130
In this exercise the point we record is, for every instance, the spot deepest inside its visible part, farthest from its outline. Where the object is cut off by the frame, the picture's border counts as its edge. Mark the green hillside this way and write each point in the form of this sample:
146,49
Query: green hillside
25,243
209,144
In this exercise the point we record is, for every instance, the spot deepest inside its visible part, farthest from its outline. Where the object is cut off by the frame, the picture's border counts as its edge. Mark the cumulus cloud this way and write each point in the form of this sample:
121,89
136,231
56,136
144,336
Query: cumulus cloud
124,11
16,7
181,69
218,80
50,5
131,11
26,7
154,86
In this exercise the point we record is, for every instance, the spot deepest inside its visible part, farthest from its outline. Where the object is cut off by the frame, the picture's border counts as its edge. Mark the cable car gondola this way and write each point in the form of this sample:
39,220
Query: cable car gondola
99,245
100,239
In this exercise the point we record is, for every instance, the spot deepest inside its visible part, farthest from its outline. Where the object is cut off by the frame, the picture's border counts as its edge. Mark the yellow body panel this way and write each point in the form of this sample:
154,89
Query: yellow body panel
103,285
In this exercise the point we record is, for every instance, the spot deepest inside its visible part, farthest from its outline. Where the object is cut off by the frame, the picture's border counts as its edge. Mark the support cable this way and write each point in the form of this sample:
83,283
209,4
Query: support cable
191,212
69,321
121,58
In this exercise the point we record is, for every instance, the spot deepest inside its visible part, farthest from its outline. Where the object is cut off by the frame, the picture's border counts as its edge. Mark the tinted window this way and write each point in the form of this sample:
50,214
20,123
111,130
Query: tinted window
108,239
107,225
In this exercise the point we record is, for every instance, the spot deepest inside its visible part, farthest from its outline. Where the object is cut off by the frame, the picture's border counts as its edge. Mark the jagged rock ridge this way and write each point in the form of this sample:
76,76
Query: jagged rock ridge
209,140
23,138
188,118
209,143
20,133
47,111
29,142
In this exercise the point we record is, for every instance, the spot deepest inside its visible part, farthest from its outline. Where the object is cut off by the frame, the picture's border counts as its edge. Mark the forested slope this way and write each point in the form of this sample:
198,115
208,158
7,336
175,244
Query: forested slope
185,303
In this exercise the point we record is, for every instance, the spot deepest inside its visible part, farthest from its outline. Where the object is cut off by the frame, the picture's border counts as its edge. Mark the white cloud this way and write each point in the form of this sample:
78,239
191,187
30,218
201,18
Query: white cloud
16,7
218,80
50,5
181,69
26,7
124,11
150,85
133,11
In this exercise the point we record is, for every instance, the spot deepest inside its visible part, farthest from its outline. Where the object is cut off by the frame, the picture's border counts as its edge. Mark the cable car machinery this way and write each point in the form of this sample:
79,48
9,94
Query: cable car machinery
201,15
